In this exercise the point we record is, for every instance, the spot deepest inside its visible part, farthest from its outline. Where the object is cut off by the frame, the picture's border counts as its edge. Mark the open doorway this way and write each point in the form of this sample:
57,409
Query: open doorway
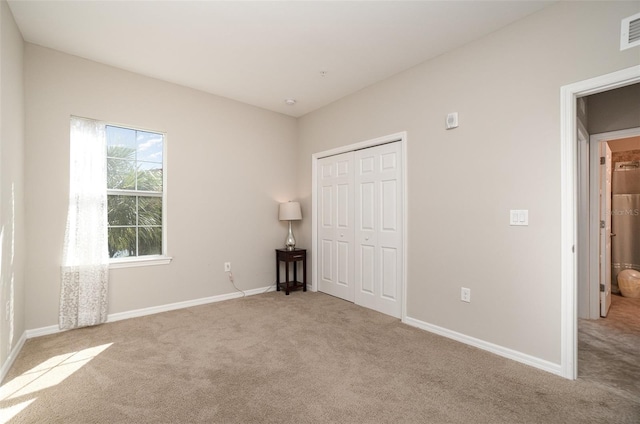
609,322
608,220
572,251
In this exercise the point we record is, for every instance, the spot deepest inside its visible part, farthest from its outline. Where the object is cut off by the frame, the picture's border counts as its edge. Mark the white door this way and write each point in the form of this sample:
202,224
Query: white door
378,228
605,229
335,225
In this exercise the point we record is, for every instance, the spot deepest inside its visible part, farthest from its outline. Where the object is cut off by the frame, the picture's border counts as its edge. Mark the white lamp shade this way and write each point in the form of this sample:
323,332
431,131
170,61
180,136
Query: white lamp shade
290,211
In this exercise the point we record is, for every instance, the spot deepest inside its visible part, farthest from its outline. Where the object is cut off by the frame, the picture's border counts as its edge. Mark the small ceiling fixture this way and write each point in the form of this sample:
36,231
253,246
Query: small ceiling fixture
290,102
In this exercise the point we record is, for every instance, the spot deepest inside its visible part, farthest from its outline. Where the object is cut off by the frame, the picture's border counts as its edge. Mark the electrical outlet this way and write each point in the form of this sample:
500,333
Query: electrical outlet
227,267
465,294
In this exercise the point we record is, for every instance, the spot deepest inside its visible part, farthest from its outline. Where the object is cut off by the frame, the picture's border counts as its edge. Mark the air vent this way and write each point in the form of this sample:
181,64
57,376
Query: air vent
630,32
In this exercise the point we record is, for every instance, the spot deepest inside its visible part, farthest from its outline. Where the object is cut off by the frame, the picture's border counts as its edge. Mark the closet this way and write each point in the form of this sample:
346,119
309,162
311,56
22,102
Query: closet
360,227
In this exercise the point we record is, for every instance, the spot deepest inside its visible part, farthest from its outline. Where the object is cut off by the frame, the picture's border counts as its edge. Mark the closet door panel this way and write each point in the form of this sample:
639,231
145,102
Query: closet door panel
367,269
389,273
326,264
378,228
335,226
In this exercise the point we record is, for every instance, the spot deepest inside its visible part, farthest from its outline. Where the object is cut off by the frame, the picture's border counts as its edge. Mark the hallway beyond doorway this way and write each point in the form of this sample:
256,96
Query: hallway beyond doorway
608,348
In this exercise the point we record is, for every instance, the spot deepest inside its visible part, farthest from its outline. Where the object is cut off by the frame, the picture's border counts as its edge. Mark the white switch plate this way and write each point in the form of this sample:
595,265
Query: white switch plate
465,294
452,120
519,217
227,267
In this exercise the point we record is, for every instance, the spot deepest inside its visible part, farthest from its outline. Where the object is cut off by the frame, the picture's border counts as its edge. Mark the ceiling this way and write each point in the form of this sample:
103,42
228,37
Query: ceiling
264,52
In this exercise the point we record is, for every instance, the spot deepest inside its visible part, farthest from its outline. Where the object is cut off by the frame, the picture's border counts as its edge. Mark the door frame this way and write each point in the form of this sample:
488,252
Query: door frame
568,206
400,137
586,305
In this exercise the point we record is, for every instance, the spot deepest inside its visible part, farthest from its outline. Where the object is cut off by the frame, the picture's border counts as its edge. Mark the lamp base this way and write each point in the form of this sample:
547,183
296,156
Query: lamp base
290,242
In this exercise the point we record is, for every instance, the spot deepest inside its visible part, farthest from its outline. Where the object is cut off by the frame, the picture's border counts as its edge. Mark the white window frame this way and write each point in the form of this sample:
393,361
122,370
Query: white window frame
147,260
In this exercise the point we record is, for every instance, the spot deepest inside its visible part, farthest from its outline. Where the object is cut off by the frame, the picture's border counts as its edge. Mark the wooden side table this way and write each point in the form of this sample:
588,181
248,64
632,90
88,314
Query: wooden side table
291,257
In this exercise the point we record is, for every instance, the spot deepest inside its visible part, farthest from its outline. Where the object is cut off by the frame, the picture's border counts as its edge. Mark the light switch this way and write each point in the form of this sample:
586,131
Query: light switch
519,217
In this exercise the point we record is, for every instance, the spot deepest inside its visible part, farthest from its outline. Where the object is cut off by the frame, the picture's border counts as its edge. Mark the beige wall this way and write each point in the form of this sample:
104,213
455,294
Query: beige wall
228,167
11,185
614,110
505,155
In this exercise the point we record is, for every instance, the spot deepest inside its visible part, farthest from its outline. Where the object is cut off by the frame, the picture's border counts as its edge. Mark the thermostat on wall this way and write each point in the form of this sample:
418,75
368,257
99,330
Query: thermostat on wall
452,120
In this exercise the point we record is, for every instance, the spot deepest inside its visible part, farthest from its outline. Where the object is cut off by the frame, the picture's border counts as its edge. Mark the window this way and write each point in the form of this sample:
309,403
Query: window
135,192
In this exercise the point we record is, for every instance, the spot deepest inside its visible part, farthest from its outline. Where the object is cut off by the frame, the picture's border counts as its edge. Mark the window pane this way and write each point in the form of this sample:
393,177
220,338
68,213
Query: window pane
149,210
121,174
121,142
122,242
150,240
149,147
121,210
134,163
149,176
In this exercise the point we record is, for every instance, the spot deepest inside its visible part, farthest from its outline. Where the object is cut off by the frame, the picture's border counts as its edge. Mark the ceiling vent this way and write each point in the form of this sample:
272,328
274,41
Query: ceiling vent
630,32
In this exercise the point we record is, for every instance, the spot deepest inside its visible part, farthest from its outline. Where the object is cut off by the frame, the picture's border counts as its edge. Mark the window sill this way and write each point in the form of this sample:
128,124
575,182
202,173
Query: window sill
143,261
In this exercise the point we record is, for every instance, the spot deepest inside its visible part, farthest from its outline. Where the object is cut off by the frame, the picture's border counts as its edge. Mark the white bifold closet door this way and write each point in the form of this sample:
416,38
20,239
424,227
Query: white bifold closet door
335,225
360,227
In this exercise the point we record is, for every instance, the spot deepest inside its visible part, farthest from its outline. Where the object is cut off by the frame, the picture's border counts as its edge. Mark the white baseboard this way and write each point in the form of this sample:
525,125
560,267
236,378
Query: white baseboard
118,316
12,357
490,347
43,331
186,304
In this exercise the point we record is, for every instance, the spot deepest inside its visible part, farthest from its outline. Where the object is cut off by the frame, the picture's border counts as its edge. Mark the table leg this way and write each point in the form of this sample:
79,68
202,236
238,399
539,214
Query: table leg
295,272
304,273
286,273
277,273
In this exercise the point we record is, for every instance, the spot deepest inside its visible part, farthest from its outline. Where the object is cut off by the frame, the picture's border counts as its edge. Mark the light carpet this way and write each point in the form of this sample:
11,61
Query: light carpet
271,358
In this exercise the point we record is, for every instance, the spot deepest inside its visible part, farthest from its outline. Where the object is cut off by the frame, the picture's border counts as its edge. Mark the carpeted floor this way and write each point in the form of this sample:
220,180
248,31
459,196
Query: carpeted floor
609,348
303,358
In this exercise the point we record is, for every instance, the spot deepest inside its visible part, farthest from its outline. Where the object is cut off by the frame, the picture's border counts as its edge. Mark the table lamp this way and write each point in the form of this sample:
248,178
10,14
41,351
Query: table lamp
290,211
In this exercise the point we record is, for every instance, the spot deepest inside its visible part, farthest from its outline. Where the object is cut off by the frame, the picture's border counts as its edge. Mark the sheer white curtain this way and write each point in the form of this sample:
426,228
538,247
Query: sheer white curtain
85,260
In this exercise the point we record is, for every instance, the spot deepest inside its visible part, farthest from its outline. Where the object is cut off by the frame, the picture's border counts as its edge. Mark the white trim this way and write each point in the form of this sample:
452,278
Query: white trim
43,331
165,195
139,261
314,223
186,304
119,316
400,137
12,357
584,217
593,283
568,204
615,135
405,220
489,347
